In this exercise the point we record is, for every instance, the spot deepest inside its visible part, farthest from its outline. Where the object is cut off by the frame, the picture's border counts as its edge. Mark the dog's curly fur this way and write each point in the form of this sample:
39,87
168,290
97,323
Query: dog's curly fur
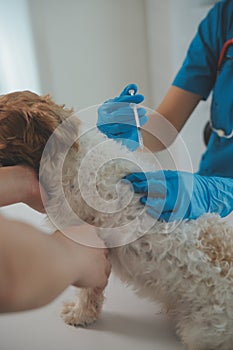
187,267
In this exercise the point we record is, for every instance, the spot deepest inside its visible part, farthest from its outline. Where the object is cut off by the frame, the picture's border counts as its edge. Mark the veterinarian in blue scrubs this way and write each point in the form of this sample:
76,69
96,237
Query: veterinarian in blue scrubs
208,67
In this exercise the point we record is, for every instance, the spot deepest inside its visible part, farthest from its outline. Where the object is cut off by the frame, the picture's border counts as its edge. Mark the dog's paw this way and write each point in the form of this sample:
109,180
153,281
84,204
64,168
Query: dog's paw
75,315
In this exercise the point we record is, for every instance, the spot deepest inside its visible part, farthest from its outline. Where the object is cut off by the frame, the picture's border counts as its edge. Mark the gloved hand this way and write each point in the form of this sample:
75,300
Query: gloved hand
174,195
116,117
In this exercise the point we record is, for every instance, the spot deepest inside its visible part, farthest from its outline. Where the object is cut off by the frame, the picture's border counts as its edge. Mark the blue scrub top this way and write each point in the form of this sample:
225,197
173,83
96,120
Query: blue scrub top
199,74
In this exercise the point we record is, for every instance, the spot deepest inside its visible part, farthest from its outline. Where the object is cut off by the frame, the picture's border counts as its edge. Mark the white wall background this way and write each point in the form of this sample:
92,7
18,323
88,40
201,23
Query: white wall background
84,51
89,49
18,62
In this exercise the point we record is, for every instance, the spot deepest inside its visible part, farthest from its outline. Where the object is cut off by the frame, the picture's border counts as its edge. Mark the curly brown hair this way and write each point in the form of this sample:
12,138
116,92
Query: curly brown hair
27,120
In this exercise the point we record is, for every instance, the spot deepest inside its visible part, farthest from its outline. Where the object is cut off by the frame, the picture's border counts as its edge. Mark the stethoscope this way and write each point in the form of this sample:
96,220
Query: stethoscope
221,132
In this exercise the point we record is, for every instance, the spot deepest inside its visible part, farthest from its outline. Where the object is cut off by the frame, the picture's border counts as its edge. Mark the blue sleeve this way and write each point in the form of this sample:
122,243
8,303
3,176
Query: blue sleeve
199,70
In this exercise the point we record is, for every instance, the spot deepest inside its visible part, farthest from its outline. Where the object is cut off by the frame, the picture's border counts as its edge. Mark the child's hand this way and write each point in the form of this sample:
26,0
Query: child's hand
94,268
88,257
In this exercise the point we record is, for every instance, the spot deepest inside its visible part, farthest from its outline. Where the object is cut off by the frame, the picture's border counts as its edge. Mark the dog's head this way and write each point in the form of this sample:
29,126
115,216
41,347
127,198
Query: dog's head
27,120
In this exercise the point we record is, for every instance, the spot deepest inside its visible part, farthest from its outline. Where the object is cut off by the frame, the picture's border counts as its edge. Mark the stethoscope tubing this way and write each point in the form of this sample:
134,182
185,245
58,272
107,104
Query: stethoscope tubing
220,132
223,52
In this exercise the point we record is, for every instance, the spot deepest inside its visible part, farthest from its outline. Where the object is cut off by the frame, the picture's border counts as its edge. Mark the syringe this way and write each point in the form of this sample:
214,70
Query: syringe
135,111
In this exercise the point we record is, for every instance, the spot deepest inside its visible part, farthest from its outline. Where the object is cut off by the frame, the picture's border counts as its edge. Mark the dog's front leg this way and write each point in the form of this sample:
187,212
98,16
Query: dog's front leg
85,310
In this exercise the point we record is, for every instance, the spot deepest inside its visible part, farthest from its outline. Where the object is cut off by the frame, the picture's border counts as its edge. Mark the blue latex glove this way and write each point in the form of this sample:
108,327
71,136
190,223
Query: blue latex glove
116,117
173,195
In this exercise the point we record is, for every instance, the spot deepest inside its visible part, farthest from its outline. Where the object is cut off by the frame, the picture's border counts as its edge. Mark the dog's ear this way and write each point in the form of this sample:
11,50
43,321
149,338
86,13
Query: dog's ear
26,123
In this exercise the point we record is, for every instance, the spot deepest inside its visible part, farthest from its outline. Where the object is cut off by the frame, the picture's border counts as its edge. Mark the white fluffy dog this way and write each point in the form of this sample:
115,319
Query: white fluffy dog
187,266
